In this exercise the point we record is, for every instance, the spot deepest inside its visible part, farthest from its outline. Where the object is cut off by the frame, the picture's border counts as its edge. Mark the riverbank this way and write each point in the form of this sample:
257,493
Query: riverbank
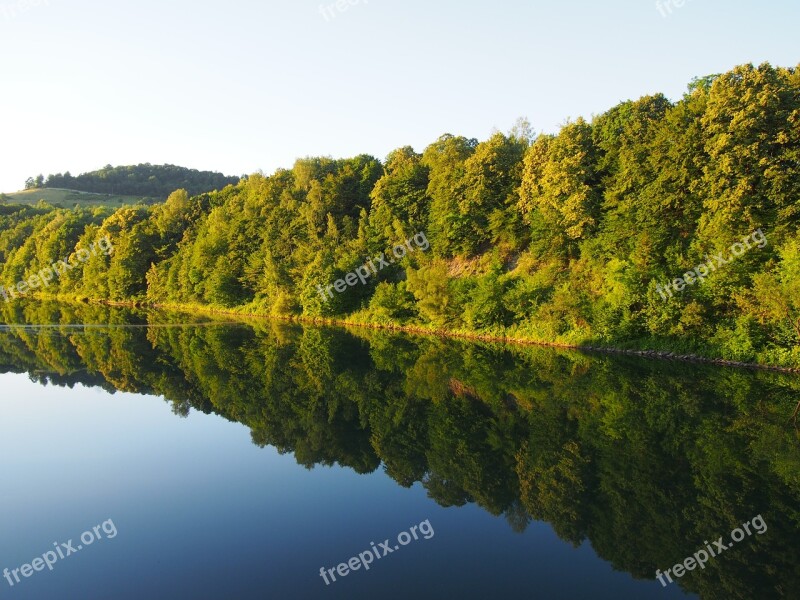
634,350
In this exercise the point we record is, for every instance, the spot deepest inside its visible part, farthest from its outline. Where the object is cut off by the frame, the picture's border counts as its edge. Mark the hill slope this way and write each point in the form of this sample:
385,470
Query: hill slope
143,180
70,198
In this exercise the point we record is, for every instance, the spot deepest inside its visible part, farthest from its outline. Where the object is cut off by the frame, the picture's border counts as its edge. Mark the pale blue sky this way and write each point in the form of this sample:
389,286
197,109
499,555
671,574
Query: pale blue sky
242,85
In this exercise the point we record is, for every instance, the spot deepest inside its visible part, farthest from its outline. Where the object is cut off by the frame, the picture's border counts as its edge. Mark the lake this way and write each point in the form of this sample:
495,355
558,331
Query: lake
195,457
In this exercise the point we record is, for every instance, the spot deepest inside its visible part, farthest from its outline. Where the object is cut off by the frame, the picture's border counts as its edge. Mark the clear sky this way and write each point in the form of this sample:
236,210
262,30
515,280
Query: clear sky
243,85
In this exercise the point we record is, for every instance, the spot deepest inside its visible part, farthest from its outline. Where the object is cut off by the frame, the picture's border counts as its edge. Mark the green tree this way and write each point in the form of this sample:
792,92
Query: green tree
560,194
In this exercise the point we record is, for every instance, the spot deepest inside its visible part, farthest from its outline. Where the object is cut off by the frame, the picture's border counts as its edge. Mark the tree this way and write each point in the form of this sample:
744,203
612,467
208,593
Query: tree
445,159
400,197
775,296
430,284
488,207
751,136
560,193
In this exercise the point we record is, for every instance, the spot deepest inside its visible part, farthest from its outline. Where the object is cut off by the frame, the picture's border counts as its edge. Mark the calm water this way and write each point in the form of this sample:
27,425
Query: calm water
237,460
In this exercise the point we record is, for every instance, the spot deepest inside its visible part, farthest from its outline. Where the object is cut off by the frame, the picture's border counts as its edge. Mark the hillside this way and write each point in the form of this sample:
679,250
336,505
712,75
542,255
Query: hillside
143,180
70,198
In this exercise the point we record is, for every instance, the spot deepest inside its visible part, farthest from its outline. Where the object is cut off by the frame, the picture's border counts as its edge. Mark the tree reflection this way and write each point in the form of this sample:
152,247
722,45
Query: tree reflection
643,459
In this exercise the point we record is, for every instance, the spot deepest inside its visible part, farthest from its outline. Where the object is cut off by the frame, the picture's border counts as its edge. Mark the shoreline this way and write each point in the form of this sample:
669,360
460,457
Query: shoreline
514,341
441,333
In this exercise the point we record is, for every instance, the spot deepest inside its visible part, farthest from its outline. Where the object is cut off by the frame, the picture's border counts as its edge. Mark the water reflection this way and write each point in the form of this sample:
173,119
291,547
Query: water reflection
643,459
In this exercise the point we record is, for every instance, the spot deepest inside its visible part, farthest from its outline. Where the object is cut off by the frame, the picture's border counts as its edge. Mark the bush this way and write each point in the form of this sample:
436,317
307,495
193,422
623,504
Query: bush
393,302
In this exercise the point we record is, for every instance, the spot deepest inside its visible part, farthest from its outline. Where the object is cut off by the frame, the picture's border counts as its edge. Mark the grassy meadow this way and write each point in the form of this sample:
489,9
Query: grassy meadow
63,198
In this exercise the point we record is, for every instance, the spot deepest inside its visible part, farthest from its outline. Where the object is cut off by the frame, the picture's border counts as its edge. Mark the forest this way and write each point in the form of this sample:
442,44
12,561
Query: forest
150,181
608,450
562,238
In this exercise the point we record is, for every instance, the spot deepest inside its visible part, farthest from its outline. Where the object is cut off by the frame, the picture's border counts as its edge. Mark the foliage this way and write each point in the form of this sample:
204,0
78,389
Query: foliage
559,238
